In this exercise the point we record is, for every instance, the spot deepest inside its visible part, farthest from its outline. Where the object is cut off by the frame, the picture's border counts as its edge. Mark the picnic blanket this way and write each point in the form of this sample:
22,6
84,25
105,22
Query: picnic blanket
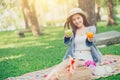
111,60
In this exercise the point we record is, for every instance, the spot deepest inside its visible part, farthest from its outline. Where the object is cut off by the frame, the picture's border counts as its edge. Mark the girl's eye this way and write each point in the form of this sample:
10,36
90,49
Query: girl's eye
73,19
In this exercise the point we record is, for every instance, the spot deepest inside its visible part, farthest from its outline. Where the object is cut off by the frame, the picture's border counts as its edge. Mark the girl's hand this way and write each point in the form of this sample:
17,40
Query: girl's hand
67,36
90,39
90,36
68,33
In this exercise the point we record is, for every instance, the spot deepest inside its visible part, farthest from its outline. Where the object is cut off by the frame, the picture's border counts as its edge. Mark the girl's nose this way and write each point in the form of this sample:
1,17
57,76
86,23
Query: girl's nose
77,20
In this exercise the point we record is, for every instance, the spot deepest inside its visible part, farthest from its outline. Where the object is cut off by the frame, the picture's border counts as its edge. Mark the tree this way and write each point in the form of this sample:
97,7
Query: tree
25,19
89,7
98,18
111,20
30,16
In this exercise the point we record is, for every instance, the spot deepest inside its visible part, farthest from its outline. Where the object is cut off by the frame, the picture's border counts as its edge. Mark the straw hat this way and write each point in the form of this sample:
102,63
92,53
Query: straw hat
75,11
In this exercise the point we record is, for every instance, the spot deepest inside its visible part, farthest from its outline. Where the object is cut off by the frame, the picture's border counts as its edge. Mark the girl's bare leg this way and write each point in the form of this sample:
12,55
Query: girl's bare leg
57,70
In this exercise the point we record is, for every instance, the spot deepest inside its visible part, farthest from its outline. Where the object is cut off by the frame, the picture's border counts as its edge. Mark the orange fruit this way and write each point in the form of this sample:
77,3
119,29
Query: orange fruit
90,35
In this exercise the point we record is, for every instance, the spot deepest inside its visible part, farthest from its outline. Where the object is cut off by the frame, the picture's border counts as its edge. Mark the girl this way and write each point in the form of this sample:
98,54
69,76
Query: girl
81,46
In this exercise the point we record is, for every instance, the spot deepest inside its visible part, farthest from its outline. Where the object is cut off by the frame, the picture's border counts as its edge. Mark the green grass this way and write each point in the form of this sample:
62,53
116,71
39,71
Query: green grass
103,28
22,55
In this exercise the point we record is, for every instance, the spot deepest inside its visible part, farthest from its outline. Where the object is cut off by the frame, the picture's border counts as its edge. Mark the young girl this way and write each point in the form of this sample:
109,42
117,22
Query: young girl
80,45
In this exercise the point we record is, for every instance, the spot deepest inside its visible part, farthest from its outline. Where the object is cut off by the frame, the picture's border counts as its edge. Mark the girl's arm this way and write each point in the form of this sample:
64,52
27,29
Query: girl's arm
93,30
67,38
89,41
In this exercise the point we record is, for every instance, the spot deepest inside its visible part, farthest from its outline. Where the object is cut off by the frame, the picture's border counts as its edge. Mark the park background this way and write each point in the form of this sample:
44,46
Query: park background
31,32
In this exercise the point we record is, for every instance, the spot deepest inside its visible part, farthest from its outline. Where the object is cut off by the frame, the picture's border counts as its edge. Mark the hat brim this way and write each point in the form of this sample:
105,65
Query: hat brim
77,11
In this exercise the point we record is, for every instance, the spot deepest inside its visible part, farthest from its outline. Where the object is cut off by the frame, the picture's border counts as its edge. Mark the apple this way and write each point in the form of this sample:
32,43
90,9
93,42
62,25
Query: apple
68,32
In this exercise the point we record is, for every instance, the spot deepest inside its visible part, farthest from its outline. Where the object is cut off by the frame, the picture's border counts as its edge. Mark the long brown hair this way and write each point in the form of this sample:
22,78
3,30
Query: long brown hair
69,24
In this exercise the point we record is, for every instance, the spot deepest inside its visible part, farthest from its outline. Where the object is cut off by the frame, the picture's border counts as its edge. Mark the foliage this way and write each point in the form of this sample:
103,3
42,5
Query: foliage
10,15
104,2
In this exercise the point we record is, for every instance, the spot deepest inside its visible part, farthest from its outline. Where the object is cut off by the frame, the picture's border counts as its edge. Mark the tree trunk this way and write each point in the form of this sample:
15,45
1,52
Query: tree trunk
31,16
98,6
25,19
111,20
98,18
89,7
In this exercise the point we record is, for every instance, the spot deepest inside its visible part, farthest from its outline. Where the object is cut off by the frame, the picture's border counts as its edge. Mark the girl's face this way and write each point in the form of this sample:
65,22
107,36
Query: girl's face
77,20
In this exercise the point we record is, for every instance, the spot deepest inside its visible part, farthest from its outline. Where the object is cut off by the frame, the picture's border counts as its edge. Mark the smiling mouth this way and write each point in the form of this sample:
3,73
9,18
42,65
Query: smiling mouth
78,23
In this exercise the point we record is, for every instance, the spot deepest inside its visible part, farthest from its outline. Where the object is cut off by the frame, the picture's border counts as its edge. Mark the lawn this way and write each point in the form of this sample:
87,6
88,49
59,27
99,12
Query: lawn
22,55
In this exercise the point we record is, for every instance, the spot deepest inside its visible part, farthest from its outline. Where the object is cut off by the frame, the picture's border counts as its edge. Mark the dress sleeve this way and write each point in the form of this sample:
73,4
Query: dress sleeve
93,29
66,40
